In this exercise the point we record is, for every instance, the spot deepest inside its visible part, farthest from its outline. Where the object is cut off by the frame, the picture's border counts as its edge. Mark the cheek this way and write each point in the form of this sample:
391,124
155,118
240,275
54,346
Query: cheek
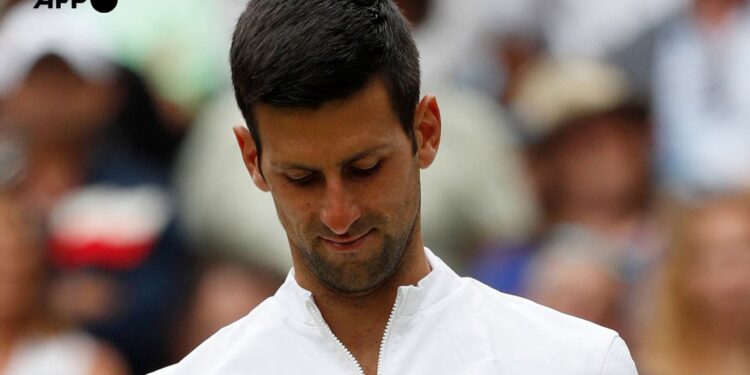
286,209
398,197
296,210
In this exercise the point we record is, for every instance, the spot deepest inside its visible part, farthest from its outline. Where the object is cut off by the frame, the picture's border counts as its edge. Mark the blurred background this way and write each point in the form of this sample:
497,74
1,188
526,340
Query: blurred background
595,158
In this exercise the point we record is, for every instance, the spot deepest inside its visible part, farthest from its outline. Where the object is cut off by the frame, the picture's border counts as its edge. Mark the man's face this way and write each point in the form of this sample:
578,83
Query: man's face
345,181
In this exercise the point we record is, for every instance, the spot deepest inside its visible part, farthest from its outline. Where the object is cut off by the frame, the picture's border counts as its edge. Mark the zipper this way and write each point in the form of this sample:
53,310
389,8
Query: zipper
381,353
319,317
314,309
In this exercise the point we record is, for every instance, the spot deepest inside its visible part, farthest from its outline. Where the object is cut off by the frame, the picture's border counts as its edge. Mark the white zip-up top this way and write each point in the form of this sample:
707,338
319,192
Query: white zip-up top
444,325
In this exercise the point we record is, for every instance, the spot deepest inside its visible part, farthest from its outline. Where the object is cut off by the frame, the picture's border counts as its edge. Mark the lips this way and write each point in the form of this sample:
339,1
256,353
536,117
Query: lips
346,243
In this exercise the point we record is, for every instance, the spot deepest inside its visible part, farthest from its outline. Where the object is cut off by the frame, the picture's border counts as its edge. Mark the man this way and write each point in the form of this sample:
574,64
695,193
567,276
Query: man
337,134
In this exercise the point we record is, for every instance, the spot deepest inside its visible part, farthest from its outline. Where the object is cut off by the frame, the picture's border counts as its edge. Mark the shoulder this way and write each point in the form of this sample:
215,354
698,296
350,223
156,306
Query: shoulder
490,302
515,313
541,332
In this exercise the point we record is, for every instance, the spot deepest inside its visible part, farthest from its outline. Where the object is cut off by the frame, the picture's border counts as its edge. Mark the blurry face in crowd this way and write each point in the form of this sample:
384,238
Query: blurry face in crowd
345,181
719,279
225,292
20,267
601,163
54,104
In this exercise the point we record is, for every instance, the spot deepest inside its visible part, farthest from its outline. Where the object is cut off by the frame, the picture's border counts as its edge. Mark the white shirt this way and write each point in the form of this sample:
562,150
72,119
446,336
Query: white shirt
444,325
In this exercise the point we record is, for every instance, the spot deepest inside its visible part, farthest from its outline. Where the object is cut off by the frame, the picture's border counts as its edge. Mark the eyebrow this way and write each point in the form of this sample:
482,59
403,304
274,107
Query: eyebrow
347,161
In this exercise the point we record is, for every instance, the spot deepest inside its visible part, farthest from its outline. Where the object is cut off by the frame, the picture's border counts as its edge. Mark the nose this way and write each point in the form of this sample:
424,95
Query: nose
339,210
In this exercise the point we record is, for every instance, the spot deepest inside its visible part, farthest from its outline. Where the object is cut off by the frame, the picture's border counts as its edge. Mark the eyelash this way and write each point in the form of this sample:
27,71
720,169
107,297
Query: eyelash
356,172
307,180
365,172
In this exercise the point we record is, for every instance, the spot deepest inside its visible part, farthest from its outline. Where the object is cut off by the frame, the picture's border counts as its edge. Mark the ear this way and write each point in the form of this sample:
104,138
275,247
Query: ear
427,128
250,156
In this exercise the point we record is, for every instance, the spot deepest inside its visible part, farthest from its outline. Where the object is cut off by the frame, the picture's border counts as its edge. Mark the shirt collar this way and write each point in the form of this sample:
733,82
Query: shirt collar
435,286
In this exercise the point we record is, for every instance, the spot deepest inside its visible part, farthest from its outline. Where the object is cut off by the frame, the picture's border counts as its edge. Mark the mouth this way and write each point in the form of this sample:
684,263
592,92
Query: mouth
346,243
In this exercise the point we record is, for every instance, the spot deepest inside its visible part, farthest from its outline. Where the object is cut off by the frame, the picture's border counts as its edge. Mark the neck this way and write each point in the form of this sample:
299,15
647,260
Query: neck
360,320
414,266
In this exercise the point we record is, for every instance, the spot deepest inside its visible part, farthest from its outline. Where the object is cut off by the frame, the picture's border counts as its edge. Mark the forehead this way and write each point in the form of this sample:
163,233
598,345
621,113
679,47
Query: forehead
333,131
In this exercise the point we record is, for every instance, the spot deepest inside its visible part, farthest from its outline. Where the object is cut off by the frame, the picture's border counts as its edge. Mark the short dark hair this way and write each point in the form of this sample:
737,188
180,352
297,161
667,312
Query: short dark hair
305,53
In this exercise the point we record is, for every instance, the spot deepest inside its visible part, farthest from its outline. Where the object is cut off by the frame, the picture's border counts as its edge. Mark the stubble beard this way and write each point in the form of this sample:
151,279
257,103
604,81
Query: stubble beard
362,277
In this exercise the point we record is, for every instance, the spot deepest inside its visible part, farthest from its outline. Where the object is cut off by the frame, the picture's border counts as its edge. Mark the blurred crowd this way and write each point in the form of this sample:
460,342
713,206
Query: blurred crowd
595,158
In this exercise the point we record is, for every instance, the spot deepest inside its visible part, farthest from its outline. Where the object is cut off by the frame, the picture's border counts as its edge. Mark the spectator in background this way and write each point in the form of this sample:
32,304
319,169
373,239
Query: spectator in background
32,341
699,321
594,171
596,190
99,186
71,109
588,155
701,91
225,290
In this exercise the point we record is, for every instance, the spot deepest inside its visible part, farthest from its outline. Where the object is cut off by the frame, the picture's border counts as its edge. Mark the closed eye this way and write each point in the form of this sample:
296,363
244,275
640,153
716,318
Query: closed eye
364,172
304,180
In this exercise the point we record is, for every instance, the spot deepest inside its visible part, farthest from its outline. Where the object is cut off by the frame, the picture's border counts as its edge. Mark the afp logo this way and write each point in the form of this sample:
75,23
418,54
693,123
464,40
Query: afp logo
101,6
